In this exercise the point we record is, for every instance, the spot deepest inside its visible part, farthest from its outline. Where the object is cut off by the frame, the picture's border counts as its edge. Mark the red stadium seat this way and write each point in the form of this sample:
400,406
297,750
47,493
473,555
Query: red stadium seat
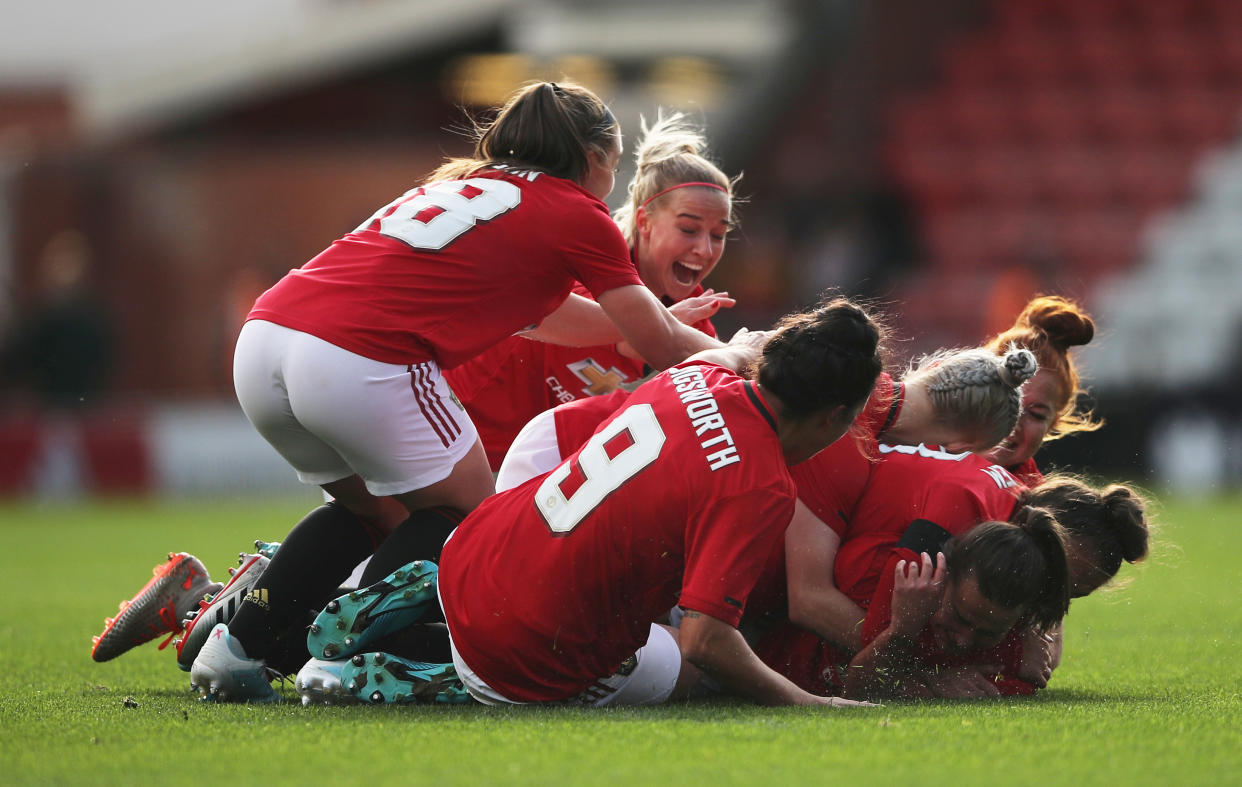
1129,116
1177,57
1078,178
982,116
932,175
1056,115
1107,57
1037,58
1201,118
1099,241
1150,179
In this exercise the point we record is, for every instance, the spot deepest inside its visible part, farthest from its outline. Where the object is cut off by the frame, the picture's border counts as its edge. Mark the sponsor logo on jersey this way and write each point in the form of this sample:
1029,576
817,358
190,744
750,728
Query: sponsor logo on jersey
598,380
559,391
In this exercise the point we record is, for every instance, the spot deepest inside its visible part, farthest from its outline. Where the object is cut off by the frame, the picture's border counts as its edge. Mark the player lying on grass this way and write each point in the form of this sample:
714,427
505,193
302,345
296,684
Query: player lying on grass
915,500
1049,327
552,590
966,397
998,576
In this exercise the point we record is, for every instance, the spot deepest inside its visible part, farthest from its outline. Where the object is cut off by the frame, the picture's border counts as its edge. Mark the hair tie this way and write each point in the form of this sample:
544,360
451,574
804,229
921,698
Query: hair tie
605,124
715,186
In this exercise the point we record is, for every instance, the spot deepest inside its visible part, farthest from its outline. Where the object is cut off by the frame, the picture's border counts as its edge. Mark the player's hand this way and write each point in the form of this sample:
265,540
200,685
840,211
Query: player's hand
1038,657
965,682
841,702
917,588
745,337
701,307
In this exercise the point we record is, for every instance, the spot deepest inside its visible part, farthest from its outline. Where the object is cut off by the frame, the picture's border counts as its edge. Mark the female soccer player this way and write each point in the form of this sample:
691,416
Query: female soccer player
339,365
1049,326
832,484
552,590
996,576
916,500
675,220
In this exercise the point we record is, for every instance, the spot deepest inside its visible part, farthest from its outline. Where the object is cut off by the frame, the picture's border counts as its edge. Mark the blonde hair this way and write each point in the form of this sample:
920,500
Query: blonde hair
975,391
669,152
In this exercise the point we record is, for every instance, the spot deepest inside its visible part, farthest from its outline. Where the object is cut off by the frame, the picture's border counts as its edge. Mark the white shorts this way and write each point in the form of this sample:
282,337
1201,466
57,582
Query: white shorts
332,413
648,677
534,452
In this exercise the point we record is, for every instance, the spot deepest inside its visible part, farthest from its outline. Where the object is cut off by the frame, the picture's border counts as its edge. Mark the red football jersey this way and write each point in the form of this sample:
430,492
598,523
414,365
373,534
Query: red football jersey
676,500
511,383
829,484
952,491
576,421
1028,473
450,268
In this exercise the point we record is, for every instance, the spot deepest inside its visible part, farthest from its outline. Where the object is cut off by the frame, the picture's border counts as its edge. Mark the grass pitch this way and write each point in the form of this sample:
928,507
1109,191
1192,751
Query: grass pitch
1148,691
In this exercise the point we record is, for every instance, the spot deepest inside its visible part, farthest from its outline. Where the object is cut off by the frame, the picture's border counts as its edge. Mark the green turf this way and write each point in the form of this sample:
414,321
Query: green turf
1148,693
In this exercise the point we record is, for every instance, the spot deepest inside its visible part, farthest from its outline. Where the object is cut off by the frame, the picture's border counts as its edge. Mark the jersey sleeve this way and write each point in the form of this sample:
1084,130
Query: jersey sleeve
597,253
727,545
831,482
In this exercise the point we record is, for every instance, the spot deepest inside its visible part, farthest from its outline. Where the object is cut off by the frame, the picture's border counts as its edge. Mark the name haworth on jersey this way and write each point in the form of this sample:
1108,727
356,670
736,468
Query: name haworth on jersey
704,415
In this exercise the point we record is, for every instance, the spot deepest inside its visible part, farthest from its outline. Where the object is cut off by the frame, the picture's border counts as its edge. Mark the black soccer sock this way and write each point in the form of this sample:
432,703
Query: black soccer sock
317,556
428,642
420,537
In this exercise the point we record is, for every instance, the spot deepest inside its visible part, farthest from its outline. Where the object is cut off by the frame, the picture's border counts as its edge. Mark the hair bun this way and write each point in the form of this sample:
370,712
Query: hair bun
1062,321
1125,514
1018,367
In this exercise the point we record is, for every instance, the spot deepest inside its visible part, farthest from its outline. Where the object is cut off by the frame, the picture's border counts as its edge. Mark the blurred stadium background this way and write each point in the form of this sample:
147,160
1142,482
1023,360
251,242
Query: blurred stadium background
161,165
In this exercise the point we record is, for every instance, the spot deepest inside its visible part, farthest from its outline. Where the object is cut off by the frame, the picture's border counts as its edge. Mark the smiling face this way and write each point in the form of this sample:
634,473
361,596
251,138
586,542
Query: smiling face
1042,398
967,620
680,238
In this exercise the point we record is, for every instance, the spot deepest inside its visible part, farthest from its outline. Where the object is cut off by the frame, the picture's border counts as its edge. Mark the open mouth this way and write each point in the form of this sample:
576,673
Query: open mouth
685,274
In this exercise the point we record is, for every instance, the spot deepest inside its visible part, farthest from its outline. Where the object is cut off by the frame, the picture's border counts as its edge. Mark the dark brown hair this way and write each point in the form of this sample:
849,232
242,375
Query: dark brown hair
818,359
547,126
1018,564
1111,520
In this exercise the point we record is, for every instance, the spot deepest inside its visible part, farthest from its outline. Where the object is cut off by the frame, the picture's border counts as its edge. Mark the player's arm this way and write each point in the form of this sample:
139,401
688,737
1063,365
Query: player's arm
690,311
654,333
578,322
887,666
719,651
815,603
581,322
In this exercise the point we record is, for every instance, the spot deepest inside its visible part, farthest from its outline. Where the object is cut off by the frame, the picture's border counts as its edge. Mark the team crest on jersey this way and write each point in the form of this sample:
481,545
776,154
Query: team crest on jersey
598,380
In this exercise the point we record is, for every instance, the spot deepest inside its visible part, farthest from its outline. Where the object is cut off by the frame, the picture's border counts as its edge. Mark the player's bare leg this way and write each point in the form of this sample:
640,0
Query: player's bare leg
469,483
